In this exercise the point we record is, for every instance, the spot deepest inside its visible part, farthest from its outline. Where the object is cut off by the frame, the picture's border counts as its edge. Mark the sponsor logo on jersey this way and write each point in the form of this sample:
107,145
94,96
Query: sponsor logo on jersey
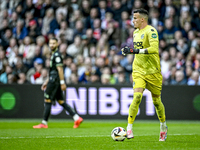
154,35
142,36
138,45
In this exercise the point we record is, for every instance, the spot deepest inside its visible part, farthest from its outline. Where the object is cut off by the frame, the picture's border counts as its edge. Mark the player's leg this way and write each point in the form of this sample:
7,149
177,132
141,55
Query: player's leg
160,110
49,95
77,119
138,86
46,114
154,84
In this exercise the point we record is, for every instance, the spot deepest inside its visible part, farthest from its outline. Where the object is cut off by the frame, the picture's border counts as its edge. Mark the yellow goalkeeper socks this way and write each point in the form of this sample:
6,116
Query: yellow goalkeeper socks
160,109
133,109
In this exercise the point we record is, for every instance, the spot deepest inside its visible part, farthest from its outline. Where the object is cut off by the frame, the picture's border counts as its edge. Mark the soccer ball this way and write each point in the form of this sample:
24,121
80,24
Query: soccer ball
118,134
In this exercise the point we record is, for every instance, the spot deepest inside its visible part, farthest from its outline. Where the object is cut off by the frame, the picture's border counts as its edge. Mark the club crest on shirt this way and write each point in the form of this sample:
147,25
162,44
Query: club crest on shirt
58,59
154,35
142,36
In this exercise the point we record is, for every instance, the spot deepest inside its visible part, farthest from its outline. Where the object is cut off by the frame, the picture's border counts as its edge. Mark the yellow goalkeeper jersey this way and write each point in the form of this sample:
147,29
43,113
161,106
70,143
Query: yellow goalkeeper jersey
146,38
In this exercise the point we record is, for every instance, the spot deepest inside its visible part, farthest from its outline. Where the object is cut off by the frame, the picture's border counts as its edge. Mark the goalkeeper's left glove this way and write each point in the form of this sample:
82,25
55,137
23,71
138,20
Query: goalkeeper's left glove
127,50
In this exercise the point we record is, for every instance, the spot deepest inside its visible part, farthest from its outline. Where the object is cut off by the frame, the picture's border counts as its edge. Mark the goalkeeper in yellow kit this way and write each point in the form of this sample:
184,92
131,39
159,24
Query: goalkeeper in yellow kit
146,70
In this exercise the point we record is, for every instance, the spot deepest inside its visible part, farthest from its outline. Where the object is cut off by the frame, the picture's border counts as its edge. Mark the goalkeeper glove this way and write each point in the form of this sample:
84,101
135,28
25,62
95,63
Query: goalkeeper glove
127,50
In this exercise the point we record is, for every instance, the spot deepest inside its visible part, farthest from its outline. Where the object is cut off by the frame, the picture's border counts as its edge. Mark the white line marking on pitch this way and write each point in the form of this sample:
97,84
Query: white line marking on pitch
48,137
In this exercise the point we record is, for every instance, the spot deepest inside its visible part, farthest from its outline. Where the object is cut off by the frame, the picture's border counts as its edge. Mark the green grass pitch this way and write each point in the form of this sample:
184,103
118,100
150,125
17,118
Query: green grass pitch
95,135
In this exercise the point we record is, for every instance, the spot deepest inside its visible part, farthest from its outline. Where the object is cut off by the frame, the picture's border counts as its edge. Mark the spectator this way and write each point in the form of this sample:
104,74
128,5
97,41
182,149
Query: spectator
90,19
75,48
180,63
48,5
3,61
3,17
14,57
187,27
38,9
37,54
27,50
194,79
103,9
97,29
65,34
121,78
20,67
13,20
160,29
91,40
85,8
20,31
4,75
49,16
174,17
75,17
28,6
67,71
102,48
22,78
73,79
165,10
196,22
12,79
5,38
112,34
192,56
185,17
192,39
12,45
63,8
33,30
63,50
105,22
124,25
43,77
179,78
168,33
165,65
194,9
172,54
44,49
38,66
79,28
182,46
154,17
105,79
117,9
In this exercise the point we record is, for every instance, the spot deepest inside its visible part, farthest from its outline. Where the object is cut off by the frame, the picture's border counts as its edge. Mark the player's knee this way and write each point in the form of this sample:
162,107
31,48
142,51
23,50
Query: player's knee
61,102
156,101
137,98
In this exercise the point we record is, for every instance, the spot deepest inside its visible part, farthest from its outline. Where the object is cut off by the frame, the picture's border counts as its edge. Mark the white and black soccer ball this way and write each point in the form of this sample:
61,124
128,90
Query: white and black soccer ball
118,134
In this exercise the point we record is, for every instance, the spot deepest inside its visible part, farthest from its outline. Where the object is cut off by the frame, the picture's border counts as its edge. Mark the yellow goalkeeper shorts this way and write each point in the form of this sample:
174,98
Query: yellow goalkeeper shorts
152,82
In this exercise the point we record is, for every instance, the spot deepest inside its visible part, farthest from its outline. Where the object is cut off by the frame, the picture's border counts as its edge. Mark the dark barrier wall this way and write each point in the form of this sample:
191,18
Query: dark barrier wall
99,102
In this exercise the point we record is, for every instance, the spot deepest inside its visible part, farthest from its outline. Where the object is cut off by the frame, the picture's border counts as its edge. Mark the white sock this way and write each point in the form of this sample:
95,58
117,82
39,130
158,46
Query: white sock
162,126
44,122
129,126
75,117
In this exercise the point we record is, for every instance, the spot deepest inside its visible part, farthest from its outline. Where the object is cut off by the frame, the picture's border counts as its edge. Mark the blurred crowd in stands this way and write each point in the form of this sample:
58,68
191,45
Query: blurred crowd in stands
91,34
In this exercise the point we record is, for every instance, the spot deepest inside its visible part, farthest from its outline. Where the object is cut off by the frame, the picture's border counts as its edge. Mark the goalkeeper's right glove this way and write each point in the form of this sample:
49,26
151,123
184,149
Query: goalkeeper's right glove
127,50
